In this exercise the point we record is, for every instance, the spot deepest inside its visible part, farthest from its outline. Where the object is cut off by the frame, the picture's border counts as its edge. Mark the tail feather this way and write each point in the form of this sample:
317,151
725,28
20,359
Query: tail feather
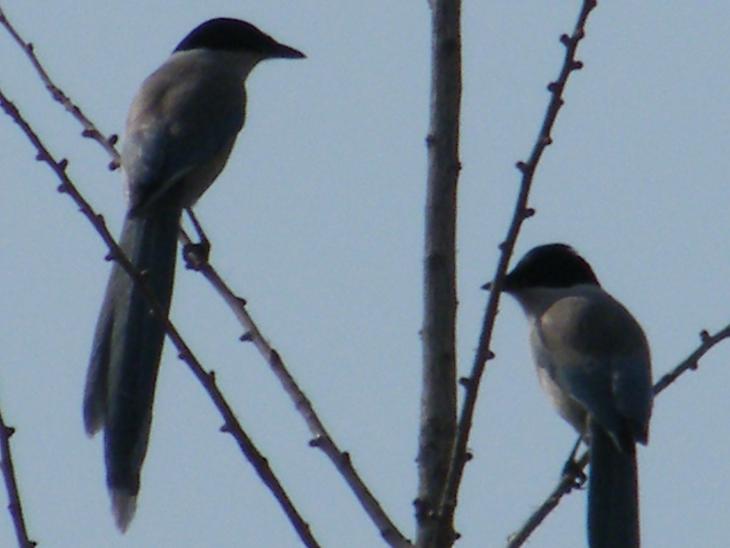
126,354
613,499
95,392
123,507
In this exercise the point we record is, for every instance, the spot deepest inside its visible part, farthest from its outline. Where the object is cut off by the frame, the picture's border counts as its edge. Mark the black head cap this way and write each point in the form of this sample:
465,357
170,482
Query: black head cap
228,34
551,265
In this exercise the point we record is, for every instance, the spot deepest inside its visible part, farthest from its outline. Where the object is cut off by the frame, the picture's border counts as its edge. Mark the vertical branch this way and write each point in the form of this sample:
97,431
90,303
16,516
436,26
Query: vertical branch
521,213
11,485
438,399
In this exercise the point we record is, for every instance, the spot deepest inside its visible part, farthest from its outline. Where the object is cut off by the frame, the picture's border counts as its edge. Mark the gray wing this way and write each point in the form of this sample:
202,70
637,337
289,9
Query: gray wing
597,354
169,136
632,386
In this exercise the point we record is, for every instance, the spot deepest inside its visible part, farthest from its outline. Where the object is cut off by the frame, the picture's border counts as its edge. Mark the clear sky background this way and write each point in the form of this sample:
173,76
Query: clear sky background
318,222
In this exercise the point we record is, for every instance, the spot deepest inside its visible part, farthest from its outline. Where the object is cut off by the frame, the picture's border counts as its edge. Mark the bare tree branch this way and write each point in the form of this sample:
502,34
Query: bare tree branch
90,130
15,506
566,484
521,212
322,439
691,362
438,394
231,423
568,481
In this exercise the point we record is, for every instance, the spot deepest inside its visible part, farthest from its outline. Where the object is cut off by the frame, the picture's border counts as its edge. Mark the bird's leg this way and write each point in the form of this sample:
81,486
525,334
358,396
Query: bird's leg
195,254
573,468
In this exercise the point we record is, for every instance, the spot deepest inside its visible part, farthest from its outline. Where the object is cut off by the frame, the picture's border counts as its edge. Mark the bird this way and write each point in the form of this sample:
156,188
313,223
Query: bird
593,360
180,130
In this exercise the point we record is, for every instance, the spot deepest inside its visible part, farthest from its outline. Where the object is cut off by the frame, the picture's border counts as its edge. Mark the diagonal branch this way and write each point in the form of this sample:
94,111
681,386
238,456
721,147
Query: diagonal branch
566,484
471,384
11,486
322,439
568,481
691,362
90,130
231,423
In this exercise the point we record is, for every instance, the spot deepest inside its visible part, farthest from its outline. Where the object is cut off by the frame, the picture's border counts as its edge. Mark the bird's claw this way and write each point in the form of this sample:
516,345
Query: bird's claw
573,470
196,254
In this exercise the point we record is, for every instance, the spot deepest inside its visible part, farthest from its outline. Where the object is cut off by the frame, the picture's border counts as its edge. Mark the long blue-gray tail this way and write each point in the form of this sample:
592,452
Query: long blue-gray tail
125,357
613,498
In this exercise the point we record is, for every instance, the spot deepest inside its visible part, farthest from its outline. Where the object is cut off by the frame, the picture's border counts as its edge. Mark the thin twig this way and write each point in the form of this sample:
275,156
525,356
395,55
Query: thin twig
690,363
231,423
438,335
11,486
521,212
90,130
322,439
340,458
565,485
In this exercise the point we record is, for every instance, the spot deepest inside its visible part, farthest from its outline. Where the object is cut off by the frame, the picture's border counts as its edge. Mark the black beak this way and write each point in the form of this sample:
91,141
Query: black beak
285,52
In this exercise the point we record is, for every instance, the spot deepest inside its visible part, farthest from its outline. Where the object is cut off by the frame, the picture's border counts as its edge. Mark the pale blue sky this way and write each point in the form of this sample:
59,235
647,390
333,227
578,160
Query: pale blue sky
317,221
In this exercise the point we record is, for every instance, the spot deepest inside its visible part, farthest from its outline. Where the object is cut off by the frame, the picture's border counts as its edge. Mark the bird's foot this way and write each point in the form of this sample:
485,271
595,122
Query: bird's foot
196,254
574,470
